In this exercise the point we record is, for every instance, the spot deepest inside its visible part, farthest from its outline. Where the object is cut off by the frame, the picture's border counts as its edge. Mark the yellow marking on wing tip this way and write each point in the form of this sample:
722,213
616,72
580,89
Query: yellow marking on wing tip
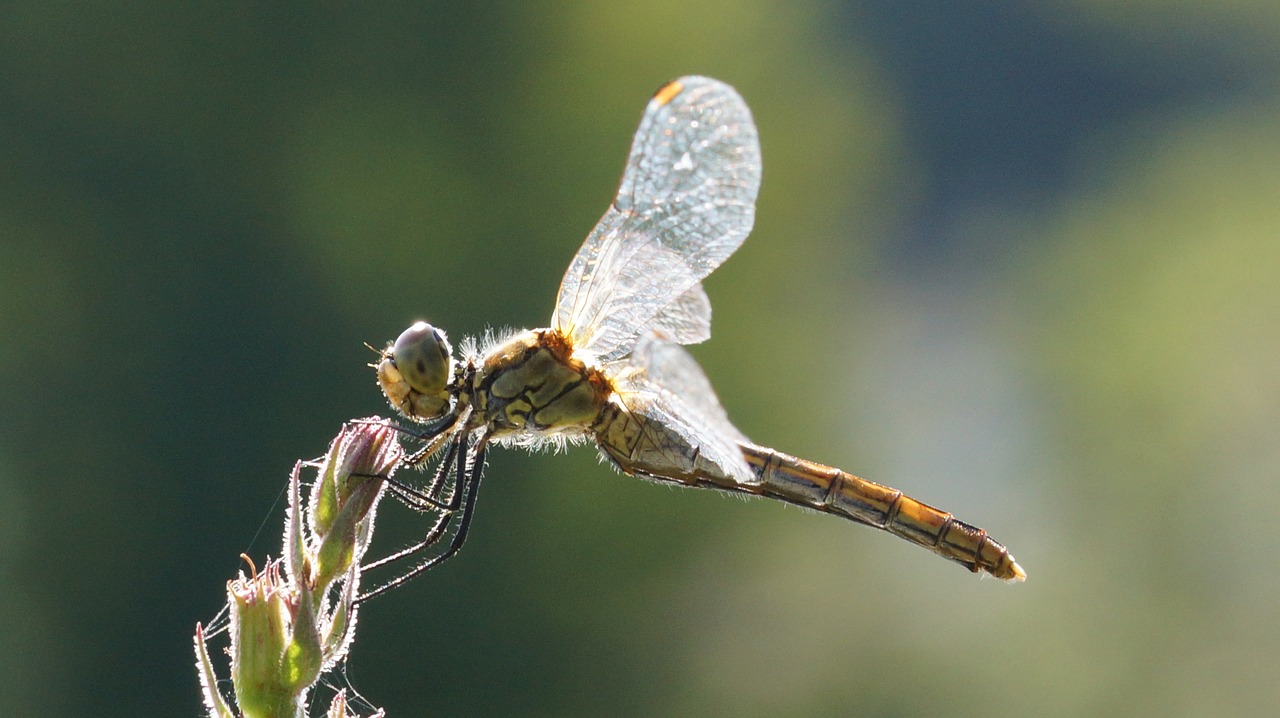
668,91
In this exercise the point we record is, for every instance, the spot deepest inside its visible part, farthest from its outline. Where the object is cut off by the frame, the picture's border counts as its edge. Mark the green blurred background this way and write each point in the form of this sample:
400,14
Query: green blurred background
1018,259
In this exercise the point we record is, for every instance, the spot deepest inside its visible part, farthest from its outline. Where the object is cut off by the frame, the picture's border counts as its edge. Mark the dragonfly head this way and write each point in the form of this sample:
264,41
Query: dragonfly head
414,372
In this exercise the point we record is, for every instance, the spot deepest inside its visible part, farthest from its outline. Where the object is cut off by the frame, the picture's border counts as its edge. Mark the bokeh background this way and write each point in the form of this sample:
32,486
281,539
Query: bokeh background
1019,259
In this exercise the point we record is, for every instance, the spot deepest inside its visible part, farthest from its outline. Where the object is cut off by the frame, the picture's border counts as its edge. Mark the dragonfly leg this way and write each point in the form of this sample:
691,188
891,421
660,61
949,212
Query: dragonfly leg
431,499
470,468
435,436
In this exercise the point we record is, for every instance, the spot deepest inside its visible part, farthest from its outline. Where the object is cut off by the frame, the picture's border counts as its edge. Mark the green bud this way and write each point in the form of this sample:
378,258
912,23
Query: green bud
264,672
345,494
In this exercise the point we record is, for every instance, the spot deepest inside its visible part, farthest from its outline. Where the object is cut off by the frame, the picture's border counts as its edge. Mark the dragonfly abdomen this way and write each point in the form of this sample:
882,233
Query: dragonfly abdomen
833,491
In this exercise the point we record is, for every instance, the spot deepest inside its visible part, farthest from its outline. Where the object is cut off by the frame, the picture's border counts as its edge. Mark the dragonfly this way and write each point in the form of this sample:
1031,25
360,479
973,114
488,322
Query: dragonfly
611,368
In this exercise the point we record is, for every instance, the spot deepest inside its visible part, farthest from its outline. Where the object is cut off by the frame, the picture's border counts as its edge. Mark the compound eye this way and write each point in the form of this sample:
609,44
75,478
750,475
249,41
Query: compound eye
424,358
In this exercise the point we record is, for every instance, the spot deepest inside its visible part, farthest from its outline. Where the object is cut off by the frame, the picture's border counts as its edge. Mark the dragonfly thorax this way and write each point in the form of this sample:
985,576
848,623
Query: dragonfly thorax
533,384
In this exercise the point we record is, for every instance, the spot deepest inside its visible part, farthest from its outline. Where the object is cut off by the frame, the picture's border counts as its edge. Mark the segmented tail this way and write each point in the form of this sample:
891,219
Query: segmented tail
836,492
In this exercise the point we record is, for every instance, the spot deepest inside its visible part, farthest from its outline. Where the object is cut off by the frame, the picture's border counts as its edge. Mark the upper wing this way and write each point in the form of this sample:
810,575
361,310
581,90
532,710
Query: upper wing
686,202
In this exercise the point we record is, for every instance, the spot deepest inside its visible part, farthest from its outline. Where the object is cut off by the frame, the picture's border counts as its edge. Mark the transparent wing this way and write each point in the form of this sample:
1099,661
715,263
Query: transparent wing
686,320
686,202
662,384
